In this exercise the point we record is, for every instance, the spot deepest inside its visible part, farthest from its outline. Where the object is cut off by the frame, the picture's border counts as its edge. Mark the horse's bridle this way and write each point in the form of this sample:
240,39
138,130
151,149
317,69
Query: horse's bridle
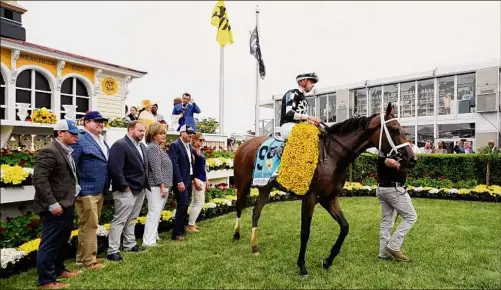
390,140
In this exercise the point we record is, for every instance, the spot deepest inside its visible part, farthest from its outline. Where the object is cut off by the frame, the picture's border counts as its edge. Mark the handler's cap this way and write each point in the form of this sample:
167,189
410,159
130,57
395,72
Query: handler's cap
94,115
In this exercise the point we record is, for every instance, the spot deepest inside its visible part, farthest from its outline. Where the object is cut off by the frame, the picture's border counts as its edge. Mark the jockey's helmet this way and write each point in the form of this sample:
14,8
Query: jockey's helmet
312,76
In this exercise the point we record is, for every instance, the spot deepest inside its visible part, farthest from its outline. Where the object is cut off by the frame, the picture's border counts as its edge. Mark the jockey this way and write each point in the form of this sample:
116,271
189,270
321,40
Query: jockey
295,106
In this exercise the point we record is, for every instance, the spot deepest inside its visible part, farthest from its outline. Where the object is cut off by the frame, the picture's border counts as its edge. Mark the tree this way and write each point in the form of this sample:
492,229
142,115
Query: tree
207,125
488,155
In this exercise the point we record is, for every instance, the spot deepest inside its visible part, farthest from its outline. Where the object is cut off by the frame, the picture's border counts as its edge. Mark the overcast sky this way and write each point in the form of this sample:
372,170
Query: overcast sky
343,42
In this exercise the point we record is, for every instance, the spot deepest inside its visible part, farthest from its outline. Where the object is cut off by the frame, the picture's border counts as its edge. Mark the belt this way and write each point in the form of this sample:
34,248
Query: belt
390,184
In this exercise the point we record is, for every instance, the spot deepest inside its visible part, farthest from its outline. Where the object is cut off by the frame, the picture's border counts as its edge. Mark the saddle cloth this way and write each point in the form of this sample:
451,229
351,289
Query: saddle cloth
267,161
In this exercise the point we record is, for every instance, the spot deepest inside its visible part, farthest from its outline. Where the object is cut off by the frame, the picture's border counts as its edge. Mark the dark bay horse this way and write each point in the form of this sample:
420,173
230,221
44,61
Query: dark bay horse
339,145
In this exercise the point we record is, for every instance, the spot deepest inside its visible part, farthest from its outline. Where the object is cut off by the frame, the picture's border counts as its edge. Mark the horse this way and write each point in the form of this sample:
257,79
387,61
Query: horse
339,145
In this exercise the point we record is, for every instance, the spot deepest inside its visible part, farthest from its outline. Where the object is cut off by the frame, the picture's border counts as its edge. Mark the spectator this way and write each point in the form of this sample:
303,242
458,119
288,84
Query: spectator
493,148
177,100
441,148
159,179
154,111
128,169
185,111
145,113
459,148
182,164
133,115
467,148
427,148
55,181
200,183
91,158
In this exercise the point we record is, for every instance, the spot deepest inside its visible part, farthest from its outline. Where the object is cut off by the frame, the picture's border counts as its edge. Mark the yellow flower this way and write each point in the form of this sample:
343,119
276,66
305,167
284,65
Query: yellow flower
73,234
107,227
464,191
141,220
254,192
30,246
43,116
166,215
296,170
230,197
13,174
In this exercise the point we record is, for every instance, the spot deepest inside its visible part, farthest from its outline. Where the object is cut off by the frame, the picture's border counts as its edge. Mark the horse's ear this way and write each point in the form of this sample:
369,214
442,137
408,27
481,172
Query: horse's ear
389,109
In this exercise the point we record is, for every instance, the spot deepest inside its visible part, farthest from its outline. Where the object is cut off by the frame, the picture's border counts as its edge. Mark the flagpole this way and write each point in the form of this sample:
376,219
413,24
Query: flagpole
256,109
221,91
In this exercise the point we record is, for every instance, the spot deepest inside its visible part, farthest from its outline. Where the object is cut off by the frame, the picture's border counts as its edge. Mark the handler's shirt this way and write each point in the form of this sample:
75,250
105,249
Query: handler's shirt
387,174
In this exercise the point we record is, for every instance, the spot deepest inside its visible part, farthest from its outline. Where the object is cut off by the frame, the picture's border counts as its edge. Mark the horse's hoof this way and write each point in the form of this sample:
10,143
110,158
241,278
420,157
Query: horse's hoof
325,264
236,236
256,254
303,272
255,250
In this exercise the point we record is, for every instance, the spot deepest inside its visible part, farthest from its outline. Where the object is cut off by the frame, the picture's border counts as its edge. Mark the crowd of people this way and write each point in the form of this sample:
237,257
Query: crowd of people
183,112
78,167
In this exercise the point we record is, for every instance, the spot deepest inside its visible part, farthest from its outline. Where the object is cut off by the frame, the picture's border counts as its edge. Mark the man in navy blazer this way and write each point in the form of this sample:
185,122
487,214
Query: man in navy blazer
91,158
185,110
128,168
182,165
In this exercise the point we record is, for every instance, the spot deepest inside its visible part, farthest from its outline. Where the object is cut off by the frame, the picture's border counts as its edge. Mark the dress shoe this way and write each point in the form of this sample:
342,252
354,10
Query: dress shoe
54,285
178,238
398,255
115,257
135,249
191,229
69,274
94,266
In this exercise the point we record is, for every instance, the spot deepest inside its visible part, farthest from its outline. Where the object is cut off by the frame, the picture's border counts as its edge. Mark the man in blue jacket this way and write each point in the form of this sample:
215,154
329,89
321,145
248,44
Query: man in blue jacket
91,158
180,152
185,111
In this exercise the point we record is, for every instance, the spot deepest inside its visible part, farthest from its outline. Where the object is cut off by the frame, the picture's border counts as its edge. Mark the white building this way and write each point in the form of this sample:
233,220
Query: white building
450,103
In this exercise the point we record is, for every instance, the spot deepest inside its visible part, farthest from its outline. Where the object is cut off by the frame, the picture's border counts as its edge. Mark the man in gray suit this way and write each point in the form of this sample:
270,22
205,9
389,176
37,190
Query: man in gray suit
128,169
55,182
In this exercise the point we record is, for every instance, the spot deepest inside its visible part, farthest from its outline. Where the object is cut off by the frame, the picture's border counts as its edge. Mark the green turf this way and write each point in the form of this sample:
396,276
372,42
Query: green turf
453,244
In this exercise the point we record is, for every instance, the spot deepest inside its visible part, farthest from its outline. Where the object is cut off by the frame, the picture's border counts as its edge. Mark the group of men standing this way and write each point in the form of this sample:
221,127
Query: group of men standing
74,171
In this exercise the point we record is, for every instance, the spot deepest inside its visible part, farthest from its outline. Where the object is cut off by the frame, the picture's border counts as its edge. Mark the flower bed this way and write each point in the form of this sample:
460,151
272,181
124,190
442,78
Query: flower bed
15,260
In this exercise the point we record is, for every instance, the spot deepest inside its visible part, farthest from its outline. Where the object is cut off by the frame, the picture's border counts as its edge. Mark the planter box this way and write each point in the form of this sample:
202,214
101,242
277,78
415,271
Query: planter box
16,194
219,173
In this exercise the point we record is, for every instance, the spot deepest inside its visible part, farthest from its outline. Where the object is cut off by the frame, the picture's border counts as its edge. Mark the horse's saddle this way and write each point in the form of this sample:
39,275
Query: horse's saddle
267,161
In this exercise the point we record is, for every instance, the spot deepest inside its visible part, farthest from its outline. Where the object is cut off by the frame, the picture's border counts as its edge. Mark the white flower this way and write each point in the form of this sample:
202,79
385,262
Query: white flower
366,187
29,170
418,189
10,255
173,213
229,162
101,231
217,162
453,190
433,191
211,205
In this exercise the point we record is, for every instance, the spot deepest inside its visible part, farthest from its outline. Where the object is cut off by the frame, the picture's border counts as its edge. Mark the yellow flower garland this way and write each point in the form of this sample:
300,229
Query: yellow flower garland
13,174
43,116
299,159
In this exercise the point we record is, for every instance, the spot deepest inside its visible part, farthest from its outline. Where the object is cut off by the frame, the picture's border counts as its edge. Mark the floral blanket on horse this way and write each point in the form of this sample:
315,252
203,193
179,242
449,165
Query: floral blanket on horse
296,165
267,161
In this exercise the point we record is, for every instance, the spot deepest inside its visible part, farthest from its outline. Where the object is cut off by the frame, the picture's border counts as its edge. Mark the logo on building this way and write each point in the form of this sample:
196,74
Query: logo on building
109,86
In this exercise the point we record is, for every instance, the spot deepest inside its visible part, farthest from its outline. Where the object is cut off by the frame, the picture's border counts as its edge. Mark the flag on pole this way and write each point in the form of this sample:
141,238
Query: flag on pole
255,50
222,23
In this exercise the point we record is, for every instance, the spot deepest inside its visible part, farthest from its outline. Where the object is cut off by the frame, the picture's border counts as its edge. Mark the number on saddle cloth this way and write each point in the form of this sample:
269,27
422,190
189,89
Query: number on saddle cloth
267,161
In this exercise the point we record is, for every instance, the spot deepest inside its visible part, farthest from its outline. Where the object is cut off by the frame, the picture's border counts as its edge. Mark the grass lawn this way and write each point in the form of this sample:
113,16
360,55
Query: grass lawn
454,244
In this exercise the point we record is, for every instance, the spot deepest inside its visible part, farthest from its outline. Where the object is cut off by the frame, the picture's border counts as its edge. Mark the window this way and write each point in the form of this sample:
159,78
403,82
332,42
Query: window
3,97
74,92
456,131
425,133
426,97
278,112
375,95
33,88
445,95
410,132
390,94
466,93
359,103
407,99
311,106
327,104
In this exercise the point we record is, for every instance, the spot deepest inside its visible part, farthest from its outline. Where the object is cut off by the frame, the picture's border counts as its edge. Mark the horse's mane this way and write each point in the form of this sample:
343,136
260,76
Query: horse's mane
350,125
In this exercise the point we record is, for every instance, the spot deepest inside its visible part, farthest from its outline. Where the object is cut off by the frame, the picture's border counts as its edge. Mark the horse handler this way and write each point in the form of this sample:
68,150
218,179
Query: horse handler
393,199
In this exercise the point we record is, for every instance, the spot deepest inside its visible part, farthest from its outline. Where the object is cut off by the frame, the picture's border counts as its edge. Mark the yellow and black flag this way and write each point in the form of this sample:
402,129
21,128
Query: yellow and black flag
220,20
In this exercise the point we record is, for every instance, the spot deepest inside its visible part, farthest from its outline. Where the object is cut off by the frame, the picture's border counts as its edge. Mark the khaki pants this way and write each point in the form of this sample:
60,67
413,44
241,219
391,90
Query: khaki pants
89,211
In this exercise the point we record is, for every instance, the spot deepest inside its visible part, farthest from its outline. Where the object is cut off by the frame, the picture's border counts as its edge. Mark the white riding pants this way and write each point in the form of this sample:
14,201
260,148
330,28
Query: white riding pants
286,129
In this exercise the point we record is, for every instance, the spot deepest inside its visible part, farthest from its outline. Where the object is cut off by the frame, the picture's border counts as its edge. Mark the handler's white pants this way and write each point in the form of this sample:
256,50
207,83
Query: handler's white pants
285,130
